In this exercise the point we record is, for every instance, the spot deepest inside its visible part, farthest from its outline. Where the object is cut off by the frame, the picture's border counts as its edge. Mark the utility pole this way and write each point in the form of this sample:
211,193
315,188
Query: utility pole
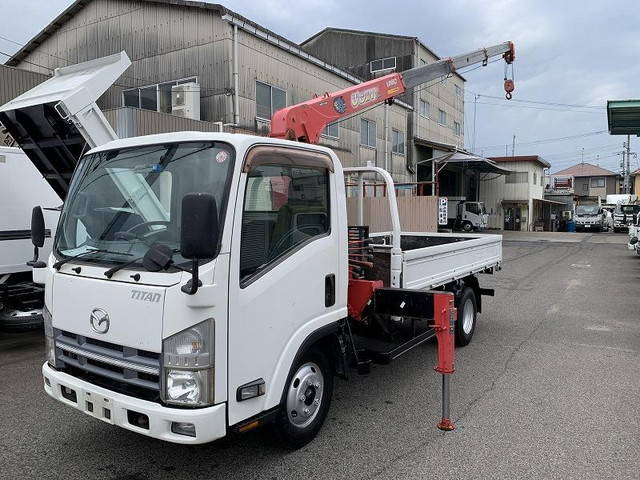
582,156
627,179
475,105
513,146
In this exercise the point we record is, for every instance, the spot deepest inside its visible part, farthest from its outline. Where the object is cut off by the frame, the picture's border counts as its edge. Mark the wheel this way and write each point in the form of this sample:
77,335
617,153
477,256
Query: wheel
15,320
305,400
467,317
467,227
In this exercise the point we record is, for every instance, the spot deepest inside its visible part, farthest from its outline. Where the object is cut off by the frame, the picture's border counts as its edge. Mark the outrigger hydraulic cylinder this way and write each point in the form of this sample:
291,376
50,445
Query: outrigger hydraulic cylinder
444,315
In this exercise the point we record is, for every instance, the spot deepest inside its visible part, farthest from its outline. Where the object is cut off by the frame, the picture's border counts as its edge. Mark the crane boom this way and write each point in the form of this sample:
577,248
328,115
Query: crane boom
305,121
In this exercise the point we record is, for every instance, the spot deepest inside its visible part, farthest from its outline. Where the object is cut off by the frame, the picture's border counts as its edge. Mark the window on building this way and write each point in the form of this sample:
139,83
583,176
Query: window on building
597,182
388,63
153,97
458,91
585,188
456,129
517,177
367,132
535,178
442,117
332,130
423,108
397,141
269,99
285,206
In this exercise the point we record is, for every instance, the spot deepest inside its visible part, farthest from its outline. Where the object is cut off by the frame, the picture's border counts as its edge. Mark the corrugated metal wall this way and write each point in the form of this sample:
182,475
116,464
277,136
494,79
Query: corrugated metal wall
15,81
133,122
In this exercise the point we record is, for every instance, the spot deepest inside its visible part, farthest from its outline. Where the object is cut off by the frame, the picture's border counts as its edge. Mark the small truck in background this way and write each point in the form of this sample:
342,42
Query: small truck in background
590,217
465,215
208,283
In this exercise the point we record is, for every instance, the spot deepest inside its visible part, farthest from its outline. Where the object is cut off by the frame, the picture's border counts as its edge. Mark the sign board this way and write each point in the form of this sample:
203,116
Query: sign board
443,210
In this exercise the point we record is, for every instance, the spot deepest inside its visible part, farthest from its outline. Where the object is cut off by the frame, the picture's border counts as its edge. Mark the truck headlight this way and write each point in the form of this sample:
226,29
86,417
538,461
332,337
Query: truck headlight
49,342
188,369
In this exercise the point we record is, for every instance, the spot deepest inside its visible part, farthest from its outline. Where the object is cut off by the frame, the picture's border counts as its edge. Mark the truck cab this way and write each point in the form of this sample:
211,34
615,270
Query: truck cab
624,216
589,218
471,216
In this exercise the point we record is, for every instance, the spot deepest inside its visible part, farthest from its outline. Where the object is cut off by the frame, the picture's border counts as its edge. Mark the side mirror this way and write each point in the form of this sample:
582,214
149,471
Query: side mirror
37,236
200,233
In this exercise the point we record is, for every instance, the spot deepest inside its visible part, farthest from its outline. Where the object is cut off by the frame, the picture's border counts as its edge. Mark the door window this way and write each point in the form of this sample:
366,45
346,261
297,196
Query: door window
285,207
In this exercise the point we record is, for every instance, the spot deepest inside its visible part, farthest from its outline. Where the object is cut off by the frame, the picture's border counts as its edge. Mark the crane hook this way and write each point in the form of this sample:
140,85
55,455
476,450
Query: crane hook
508,87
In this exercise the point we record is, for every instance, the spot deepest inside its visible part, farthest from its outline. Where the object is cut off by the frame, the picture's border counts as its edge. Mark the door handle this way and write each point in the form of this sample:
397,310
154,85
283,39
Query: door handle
329,290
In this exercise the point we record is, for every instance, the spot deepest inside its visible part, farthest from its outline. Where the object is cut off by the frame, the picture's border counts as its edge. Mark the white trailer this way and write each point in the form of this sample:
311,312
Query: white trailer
21,188
203,283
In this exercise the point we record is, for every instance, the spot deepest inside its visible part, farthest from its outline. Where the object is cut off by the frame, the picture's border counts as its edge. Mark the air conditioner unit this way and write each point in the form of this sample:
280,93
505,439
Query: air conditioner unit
185,100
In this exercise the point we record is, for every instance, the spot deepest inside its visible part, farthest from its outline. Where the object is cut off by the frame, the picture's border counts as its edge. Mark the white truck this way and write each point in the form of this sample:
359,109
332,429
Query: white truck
590,217
21,187
466,215
203,283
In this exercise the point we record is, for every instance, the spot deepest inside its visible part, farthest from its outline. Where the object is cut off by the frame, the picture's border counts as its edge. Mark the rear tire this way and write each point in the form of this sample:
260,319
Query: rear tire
305,400
467,317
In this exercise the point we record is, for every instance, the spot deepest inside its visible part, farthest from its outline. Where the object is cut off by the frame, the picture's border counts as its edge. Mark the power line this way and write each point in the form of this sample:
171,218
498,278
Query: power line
531,107
549,140
538,102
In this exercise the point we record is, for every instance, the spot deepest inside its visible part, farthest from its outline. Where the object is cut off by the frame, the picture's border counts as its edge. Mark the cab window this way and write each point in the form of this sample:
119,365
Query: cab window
285,207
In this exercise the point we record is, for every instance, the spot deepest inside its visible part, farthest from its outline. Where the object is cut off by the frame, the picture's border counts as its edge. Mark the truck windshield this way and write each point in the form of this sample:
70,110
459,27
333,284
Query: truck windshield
126,200
627,209
587,209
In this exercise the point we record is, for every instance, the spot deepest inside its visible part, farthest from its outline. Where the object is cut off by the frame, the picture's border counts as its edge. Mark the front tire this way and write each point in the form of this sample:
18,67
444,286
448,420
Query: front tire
305,400
467,227
467,317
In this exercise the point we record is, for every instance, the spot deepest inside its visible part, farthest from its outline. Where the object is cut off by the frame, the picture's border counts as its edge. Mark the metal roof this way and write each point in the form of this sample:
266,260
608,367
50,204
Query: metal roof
586,170
623,117
523,158
471,162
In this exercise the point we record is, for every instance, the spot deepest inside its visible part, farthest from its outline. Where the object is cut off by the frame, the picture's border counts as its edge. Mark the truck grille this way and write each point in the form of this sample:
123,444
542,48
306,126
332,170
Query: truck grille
122,369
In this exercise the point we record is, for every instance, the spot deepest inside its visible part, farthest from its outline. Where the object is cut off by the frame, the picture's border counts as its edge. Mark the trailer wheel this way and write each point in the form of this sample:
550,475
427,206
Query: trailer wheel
467,317
306,399
466,226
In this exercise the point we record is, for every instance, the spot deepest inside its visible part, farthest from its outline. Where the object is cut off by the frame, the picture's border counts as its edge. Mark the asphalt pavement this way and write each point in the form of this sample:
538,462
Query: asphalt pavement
548,389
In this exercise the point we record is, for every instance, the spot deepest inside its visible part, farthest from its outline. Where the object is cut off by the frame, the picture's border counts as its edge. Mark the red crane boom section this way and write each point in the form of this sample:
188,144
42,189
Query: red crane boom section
305,121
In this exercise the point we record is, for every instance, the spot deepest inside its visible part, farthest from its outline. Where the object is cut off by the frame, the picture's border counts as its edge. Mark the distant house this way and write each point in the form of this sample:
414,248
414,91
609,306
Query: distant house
515,201
635,182
590,182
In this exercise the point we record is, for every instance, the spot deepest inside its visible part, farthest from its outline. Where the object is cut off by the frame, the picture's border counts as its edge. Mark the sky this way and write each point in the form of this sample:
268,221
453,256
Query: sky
571,57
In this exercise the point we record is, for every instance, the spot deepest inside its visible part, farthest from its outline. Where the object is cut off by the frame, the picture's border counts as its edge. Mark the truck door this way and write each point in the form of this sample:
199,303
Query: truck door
285,279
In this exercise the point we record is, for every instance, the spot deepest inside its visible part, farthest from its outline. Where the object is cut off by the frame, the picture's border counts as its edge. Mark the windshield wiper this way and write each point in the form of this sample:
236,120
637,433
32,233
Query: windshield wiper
59,263
158,257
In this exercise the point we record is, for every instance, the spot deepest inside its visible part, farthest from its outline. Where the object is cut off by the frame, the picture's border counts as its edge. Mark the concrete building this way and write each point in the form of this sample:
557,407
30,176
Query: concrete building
516,201
435,126
590,183
243,71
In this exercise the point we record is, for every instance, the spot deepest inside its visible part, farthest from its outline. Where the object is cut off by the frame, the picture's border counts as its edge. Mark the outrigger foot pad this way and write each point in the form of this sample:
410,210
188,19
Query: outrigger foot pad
446,424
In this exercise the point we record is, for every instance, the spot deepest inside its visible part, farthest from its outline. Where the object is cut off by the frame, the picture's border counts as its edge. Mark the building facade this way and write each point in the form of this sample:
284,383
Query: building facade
243,71
435,125
516,201
590,183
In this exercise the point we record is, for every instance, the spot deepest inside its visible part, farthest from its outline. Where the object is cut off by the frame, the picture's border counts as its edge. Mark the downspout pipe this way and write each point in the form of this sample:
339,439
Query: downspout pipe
236,101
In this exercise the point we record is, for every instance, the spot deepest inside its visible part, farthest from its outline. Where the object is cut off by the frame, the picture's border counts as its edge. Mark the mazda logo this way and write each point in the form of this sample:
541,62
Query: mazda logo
99,320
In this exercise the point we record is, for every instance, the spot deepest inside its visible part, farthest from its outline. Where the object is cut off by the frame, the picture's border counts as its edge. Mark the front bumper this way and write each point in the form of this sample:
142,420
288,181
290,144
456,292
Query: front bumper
112,407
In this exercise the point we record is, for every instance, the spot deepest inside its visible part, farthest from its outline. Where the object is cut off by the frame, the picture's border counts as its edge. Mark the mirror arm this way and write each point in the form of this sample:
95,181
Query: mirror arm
191,287
35,263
